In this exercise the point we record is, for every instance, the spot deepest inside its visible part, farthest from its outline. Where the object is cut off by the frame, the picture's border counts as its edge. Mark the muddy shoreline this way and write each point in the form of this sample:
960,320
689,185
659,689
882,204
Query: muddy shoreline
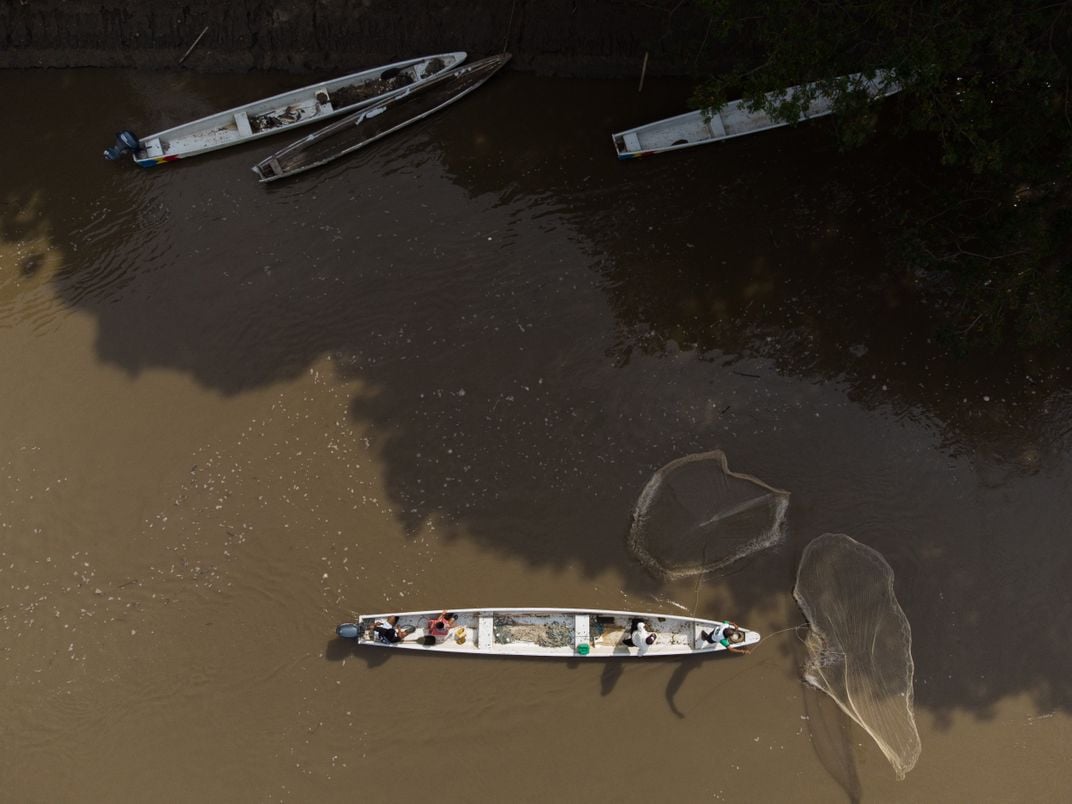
593,38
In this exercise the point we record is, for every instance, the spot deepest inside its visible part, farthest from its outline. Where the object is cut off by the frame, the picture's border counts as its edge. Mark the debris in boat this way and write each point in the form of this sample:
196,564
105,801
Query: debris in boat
271,120
546,635
354,93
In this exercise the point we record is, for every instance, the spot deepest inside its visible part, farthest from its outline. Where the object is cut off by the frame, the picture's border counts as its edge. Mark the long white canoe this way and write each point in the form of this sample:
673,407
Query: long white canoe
288,110
345,136
548,632
732,120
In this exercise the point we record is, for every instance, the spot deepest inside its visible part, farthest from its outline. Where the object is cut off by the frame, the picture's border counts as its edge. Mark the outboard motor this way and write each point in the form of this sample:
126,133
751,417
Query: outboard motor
349,630
125,143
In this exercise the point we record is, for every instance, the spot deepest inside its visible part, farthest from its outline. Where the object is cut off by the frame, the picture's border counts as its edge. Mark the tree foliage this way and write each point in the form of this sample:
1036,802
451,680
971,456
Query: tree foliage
989,81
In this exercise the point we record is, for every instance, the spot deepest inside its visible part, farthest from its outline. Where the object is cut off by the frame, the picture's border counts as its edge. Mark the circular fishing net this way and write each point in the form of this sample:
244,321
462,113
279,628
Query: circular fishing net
695,516
859,643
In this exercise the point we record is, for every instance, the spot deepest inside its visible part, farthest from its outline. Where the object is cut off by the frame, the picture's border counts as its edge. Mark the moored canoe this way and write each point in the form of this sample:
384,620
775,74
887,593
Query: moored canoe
288,110
734,119
375,122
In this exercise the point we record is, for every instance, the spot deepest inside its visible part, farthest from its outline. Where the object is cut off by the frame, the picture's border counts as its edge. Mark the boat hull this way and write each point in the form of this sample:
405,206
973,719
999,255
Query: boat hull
289,110
563,633
375,122
732,120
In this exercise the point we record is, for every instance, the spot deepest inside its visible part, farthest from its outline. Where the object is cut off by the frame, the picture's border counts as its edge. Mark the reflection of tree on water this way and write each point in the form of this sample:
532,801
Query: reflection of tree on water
860,642
745,250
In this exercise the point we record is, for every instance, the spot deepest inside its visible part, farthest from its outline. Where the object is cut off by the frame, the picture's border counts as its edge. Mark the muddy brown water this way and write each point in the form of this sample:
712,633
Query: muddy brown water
439,374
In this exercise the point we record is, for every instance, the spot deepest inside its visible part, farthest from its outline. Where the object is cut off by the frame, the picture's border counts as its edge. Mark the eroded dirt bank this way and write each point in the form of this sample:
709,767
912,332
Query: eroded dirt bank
596,38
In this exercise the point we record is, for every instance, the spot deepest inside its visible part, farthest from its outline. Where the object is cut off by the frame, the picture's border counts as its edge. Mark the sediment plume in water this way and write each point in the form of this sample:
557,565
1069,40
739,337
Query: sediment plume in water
695,516
860,643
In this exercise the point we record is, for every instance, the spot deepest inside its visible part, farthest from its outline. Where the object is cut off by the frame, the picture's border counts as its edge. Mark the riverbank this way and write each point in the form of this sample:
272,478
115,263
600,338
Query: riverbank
595,38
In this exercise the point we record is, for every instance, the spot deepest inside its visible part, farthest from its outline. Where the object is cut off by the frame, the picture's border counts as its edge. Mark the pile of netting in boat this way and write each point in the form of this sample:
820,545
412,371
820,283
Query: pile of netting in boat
546,635
695,516
859,643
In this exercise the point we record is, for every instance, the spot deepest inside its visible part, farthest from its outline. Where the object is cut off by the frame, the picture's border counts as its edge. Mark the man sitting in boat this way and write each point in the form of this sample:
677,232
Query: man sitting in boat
389,632
441,625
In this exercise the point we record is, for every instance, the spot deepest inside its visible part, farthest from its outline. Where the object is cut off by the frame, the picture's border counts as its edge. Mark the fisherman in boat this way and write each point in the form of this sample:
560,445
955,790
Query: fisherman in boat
389,632
640,637
725,634
441,625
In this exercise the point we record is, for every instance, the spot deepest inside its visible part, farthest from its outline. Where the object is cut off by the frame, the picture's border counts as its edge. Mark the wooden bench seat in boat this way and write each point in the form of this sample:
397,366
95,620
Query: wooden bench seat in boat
717,129
243,124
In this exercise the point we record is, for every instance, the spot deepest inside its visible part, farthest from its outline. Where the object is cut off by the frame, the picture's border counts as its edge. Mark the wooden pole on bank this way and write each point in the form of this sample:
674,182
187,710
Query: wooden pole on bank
509,25
191,47
643,71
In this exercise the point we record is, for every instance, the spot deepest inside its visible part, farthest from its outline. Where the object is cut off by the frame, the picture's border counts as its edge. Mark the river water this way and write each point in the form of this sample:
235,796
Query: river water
438,374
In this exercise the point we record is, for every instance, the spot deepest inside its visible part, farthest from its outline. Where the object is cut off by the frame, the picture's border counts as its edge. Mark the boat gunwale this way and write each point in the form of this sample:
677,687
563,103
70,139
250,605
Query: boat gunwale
537,610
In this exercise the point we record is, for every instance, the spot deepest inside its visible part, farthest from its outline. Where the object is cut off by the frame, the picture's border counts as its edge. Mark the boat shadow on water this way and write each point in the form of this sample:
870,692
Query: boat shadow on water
338,650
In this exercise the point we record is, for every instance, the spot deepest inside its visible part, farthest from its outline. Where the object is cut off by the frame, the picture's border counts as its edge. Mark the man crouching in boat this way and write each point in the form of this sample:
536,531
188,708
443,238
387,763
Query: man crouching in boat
389,632
727,635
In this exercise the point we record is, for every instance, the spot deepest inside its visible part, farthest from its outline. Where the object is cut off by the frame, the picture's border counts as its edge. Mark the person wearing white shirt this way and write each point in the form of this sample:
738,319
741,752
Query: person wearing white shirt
641,638
724,634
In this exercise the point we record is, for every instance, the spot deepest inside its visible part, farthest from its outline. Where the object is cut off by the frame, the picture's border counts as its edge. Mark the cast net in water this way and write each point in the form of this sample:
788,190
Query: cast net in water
859,642
695,516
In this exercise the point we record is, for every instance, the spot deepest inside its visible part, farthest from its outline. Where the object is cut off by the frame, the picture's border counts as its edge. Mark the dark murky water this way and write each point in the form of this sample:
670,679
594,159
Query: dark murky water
438,374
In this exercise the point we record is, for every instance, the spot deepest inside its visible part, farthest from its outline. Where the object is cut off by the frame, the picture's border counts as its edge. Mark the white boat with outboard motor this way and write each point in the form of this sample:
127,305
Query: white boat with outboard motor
734,119
288,110
595,633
